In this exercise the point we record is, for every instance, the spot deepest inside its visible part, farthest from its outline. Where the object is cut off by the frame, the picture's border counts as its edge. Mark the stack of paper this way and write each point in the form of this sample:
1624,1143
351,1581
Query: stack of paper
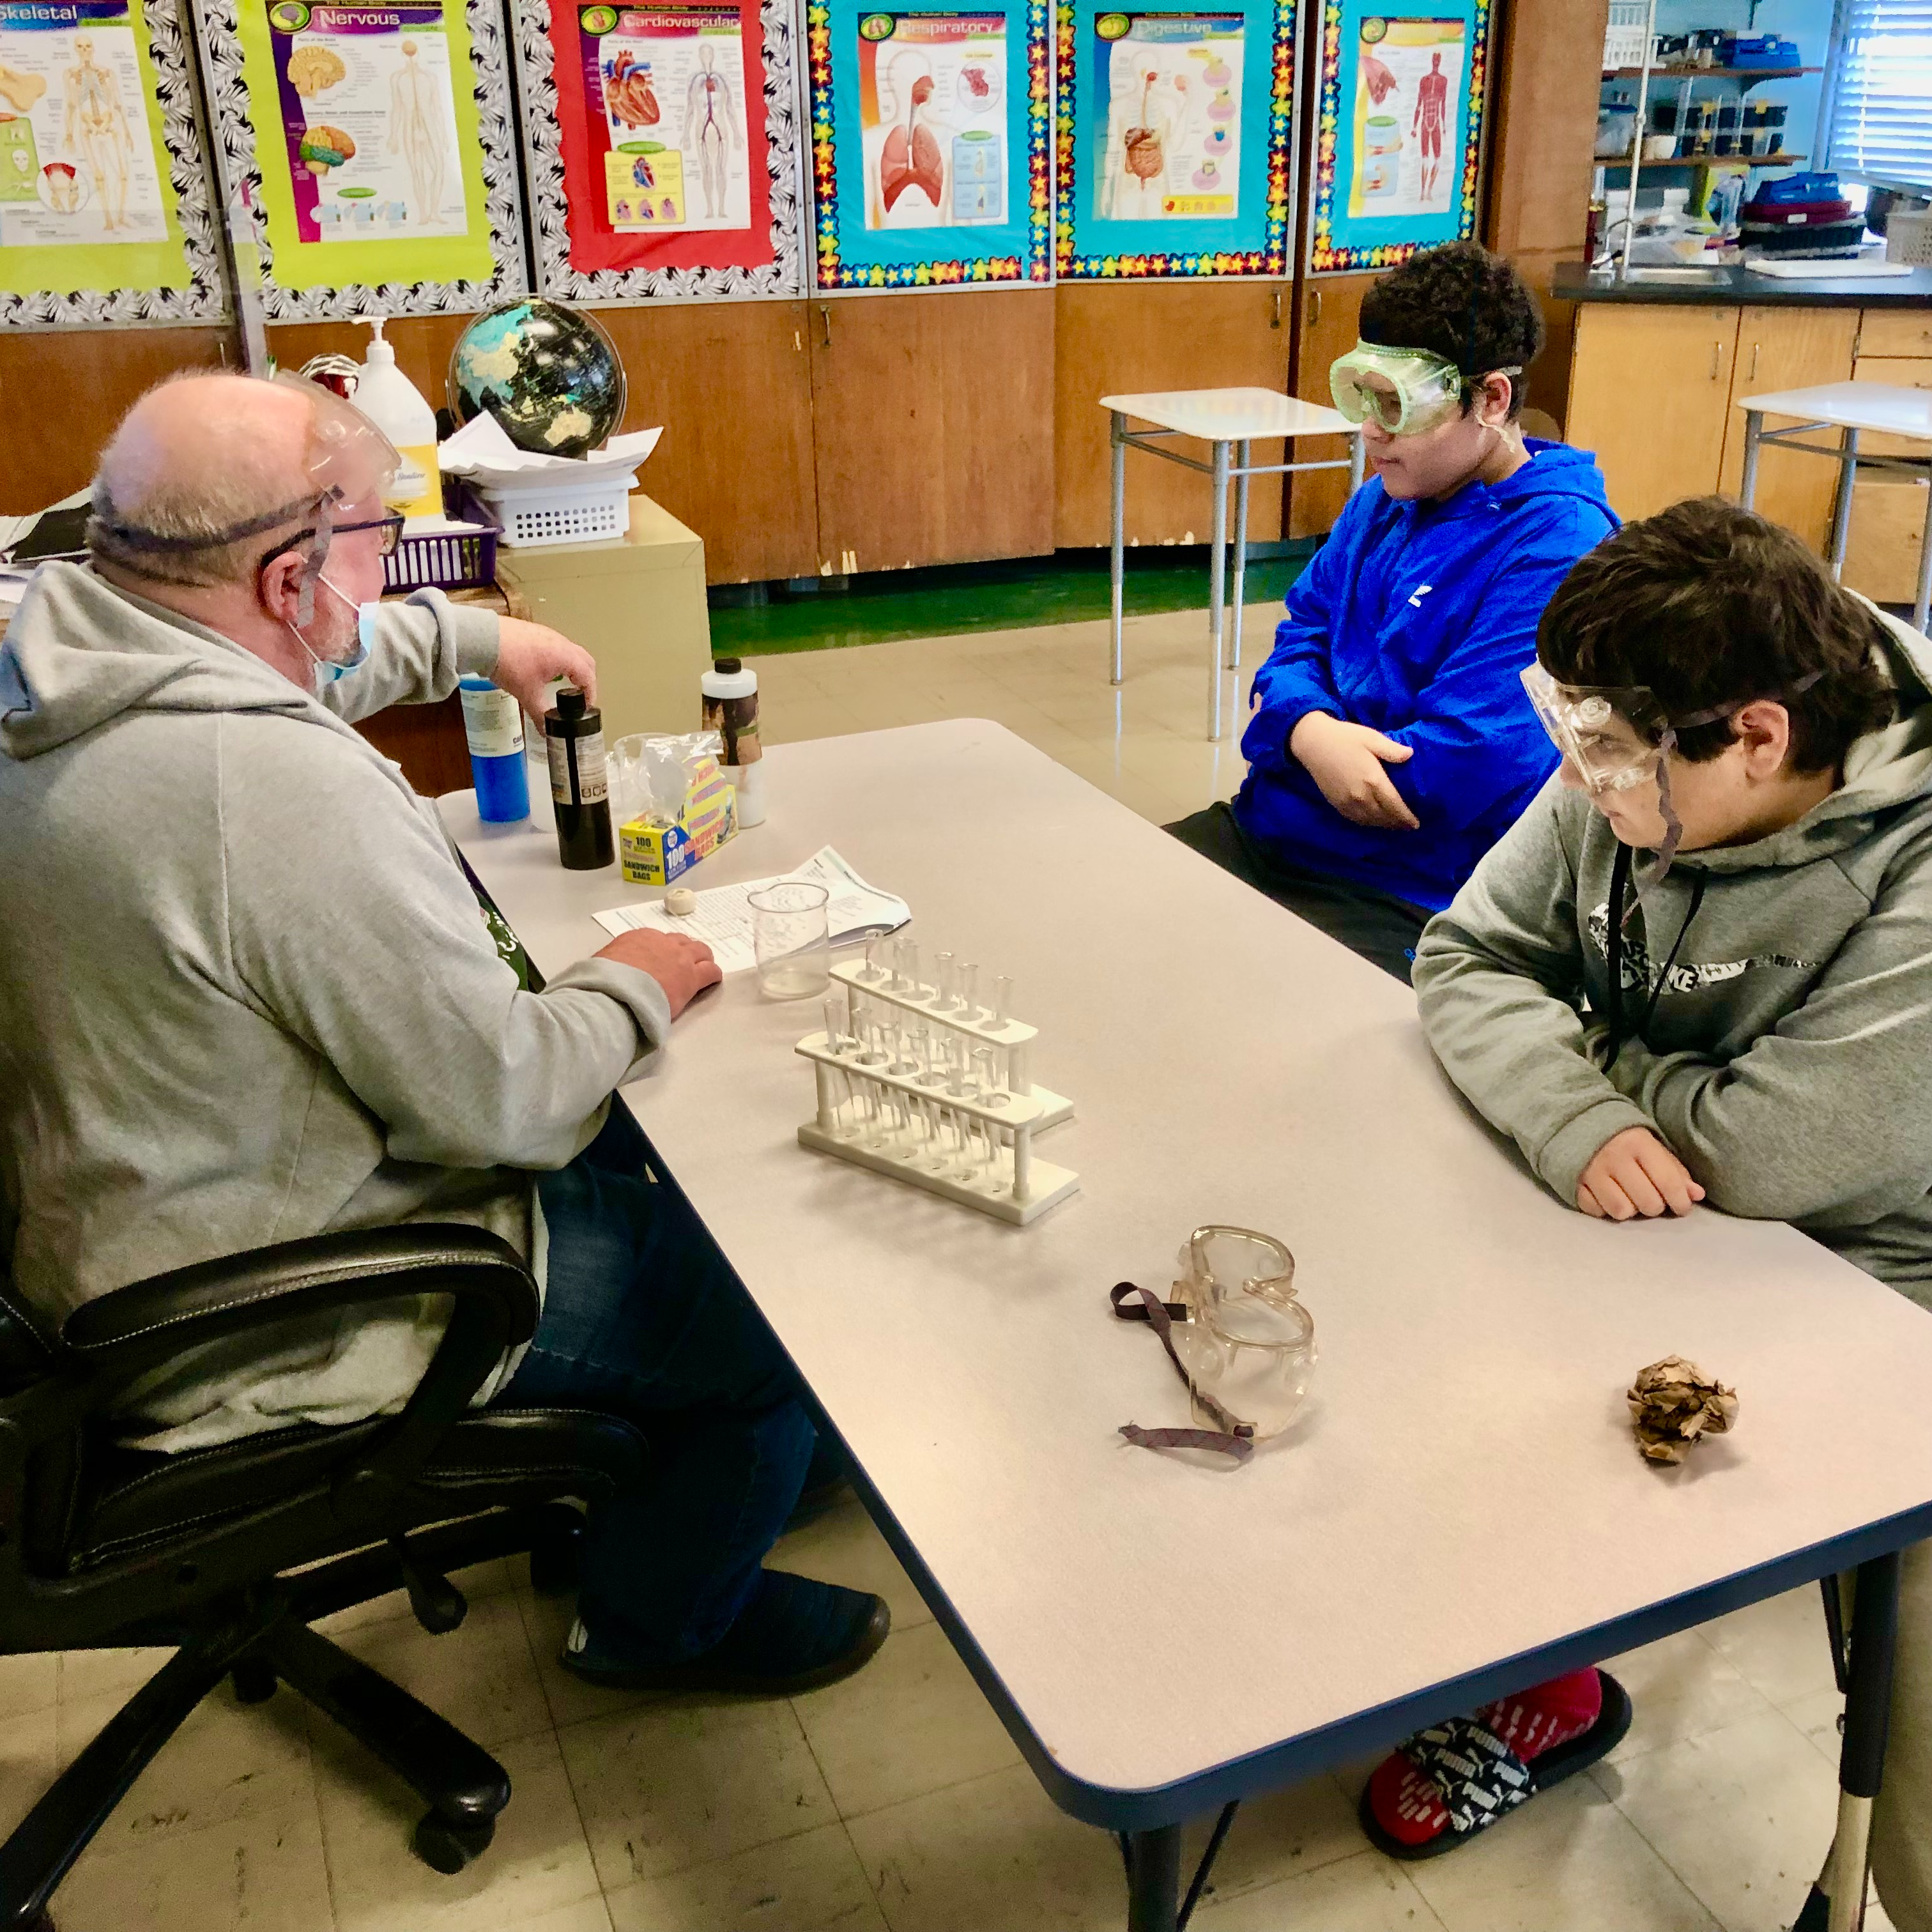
481,450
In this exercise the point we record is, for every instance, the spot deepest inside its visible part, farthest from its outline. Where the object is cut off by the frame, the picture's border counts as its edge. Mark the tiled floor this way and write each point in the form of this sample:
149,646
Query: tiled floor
894,1802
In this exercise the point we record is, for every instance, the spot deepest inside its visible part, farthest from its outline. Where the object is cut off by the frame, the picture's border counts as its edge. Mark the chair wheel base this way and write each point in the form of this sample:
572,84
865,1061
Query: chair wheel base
254,1681
449,1848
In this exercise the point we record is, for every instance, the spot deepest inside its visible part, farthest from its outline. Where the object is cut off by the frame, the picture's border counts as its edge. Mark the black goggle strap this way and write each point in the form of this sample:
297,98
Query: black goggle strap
1235,1438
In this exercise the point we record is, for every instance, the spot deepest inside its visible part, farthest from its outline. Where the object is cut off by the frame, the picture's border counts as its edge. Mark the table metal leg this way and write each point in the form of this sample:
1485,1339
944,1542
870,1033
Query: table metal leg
1754,429
1837,1901
1153,1880
1923,607
1240,592
1217,586
1357,461
1117,561
1841,517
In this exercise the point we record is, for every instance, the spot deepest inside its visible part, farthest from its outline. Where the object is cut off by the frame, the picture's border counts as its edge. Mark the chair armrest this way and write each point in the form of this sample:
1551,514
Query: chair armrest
121,1336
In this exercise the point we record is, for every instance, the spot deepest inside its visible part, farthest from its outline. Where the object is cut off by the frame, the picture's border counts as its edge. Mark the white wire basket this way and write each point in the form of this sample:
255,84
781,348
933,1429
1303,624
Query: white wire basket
1624,35
1908,237
575,513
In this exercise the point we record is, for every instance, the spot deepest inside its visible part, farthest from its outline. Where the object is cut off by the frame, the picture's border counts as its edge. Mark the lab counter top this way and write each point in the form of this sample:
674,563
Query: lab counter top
1572,282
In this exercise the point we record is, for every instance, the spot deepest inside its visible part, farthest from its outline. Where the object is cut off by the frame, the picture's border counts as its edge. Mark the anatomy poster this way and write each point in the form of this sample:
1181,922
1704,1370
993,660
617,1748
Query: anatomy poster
1397,164
363,118
87,202
932,97
667,162
1174,140
930,144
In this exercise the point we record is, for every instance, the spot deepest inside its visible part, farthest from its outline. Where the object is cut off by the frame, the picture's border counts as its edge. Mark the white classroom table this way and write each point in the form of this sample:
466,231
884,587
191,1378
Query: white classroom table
1229,420
1881,408
1459,1512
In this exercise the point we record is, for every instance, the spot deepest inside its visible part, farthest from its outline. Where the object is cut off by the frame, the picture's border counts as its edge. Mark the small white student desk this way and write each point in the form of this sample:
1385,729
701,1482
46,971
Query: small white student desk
1229,421
1459,1511
1878,408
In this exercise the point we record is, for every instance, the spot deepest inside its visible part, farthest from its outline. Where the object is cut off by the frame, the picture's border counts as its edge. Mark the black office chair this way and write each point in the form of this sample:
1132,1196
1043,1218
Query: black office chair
228,1554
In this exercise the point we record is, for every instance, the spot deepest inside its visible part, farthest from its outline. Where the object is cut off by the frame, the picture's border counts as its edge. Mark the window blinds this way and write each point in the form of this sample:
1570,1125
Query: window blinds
1881,112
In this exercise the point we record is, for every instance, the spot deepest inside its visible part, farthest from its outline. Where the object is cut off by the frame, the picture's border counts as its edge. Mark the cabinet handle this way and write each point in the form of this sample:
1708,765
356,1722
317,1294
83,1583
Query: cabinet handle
1314,307
1757,349
1717,350
1275,320
825,323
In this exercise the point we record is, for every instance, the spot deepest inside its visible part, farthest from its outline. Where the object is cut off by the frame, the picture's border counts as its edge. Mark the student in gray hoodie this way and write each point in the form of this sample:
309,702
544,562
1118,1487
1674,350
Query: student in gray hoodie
1745,1020
246,995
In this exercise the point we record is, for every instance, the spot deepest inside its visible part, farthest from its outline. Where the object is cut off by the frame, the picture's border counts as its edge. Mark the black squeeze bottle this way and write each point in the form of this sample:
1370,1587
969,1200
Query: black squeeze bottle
579,796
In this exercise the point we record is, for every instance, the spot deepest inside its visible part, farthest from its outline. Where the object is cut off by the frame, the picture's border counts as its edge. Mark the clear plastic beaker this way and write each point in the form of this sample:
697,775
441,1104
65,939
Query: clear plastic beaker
791,939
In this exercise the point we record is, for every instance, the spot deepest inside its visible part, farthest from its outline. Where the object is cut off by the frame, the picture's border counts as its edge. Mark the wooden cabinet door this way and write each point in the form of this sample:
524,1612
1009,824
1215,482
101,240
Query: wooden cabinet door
1788,348
1129,338
1650,392
1331,314
932,426
1896,372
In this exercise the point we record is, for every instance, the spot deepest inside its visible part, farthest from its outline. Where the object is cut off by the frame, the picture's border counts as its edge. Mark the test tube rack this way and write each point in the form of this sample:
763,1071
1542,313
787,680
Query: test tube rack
885,1105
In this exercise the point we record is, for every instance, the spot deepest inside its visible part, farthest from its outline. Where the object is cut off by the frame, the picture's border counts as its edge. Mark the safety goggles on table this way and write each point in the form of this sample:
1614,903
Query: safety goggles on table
1407,391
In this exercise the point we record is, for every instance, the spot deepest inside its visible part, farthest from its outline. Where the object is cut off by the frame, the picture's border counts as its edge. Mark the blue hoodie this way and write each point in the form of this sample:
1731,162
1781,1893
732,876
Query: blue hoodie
1418,619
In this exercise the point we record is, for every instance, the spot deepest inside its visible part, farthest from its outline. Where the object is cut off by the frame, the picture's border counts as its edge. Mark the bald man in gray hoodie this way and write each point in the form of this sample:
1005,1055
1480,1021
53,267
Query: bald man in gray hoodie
246,995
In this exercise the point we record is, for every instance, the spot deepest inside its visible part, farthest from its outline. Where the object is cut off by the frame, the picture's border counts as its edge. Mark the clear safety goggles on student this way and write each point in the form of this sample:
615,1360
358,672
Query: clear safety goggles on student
346,457
1407,391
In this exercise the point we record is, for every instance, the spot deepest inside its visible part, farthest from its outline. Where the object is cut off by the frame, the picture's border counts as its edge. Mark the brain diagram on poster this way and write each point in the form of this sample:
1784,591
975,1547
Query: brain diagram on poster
370,121
670,82
1409,88
1168,116
932,108
77,155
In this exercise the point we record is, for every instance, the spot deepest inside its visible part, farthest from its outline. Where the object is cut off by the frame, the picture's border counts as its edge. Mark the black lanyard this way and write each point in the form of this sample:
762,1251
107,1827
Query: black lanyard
1613,952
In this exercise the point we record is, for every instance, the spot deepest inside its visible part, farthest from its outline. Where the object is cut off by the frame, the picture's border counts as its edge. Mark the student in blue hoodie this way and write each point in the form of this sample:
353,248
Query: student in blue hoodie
1390,743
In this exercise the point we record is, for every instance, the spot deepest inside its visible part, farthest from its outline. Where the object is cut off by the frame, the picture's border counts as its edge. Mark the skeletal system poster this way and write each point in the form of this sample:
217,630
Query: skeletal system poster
365,118
82,171
1398,154
663,141
932,96
930,133
1175,141
1167,116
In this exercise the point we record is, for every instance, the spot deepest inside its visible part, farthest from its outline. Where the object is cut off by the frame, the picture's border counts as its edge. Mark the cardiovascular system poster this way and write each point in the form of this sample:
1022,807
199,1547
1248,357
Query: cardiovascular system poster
1174,141
1398,157
85,199
365,117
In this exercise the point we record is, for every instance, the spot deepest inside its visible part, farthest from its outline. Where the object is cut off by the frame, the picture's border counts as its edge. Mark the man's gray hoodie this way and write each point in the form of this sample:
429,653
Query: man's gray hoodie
246,993
1789,1064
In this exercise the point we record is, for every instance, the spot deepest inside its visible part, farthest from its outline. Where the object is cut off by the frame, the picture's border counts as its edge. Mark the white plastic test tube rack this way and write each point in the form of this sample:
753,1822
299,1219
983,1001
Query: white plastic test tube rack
975,1017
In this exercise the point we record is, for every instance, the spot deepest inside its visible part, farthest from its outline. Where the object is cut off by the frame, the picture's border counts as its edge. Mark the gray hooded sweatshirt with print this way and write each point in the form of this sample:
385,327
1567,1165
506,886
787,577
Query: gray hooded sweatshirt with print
246,993
1789,1059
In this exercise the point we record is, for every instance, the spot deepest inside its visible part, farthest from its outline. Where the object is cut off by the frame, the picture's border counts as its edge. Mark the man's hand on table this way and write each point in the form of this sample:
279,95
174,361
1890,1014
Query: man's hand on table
1346,761
683,967
530,656
1634,1174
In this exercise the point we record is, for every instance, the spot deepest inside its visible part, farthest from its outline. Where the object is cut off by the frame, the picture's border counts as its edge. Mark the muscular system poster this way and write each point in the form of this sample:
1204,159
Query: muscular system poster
85,199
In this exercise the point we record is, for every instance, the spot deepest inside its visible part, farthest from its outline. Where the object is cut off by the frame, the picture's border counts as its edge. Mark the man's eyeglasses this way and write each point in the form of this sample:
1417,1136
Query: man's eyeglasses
391,526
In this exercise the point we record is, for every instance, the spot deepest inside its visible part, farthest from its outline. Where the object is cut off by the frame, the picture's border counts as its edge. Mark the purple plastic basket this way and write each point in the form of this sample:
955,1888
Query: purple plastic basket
464,560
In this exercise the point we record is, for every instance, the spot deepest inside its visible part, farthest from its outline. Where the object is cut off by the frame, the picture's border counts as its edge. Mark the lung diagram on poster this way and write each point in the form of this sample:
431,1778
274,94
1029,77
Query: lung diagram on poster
932,110
369,118
671,82
1408,89
77,159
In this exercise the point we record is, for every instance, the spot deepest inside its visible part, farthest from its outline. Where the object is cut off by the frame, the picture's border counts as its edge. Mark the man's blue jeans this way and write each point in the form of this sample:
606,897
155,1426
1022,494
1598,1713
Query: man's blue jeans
644,1319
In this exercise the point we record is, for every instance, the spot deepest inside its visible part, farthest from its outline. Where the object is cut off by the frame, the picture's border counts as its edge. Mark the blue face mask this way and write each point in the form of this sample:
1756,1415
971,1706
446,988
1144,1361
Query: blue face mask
326,671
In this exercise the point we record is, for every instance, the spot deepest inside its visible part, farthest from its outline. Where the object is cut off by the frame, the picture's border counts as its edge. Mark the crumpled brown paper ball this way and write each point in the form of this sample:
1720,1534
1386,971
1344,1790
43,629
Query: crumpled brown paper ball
1673,1404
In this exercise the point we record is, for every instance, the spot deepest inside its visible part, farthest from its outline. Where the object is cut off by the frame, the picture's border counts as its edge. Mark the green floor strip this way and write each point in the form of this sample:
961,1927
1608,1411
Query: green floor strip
886,606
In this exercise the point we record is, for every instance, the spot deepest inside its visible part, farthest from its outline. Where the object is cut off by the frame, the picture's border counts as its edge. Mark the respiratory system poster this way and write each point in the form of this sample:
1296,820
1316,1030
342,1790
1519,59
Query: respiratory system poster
932,109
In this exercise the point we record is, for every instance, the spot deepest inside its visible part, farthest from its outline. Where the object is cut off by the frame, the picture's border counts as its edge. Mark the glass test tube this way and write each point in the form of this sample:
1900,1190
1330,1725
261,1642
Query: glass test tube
1003,998
969,990
942,979
984,1077
910,969
834,1039
873,970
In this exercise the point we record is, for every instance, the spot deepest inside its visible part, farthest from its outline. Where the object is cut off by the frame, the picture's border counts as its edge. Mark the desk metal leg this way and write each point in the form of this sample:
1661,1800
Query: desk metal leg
1837,1901
1841,517
1358,457
1754,429
1153,1880
1923,606
1117,561
1216,585
1240,592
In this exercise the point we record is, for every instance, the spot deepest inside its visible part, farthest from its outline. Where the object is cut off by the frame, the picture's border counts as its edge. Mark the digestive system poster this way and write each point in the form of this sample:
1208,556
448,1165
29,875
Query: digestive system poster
1167,117
932,93
78,167
1174,141
1397,162
930,141
363,116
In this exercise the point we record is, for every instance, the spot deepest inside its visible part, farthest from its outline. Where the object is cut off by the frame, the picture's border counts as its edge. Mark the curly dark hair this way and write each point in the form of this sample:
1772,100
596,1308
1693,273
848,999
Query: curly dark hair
1712,607
1463,304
